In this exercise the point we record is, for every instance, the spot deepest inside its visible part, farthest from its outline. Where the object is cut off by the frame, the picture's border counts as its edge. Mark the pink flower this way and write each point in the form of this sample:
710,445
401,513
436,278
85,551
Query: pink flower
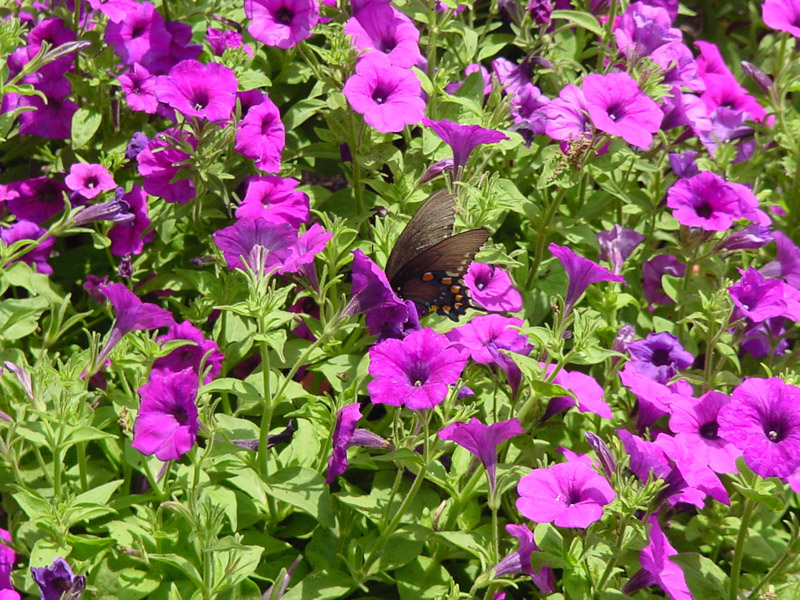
281,23
261,136
89,180
198,90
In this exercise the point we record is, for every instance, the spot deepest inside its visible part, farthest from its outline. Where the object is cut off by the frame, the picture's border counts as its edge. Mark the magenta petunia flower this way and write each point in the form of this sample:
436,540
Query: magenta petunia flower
652,272
140,89
783,15
139,36
763,420
160,164
705,201
167,424
241,242
198,90
281,23
304,250
582,272
260,135
463,139
130,238
383,28
642,29
567,115
191,355
657,568
588,393
520,560
8,558
371,292
482,339
389,97
618,107
617,244
679,65
693,469
653,397
492,288
696,426
415,372
276,199
26,230
89,180
482,441
566,494
58,581
759,299
36,200
346,419
723,91
659,356
220,40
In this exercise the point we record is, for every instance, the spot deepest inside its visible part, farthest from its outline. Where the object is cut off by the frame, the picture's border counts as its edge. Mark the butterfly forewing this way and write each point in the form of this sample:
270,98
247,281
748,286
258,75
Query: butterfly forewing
431,224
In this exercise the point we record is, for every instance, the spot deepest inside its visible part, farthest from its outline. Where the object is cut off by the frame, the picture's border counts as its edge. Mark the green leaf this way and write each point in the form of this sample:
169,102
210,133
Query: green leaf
98,495
704,578
423,578
404,545
135,584
183,565
304,489
493,43
31,503
226,499
84,125
86,433
472,541
580,18
327,585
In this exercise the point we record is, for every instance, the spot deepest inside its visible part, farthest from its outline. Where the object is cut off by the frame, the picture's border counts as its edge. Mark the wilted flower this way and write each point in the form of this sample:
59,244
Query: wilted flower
617,244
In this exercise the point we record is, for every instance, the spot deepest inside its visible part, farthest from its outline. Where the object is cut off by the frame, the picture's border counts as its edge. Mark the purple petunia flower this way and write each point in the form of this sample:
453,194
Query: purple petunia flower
763,420
587,391
281,23
520,561
138,37
582,272
240,242
652,272
492,288
260,135
684,164
759,299
787,262
161,162
140,89
659,356
89,180
618,107
58,581
220,40
705,201
782,15
679,66
190,355
130,238
642,29
415,372
766,338
617,244
653,398
566,494
198,90
371,294
657,568
389,97
385,29
751,237
482,441
346,419
692,469
25,230
8,558
275,199
167,424
696,426
463,139
35,200
567,116
304,250
482,339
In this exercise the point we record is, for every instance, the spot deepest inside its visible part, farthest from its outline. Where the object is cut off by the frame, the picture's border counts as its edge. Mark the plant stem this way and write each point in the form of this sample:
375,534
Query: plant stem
738,552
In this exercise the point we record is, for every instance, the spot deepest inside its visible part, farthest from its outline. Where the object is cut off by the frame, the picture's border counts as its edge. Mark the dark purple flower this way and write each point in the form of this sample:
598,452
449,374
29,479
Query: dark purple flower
751,237
652,272
782,15
346,419
371,291
190,355
137,143
603,453
657,568
389,97
760,78
393,320
483,338
684,164
276,199
582,272
161,162
52,119
617,244
520,561
588,394
415,372
260,135
140,89
763,420
567,494
117,211
567,115
240,242
281,23
659,356
89,180
383,28
642,29
167,424
58,582
624,337
787,263
463,139
198,90
766,338
759,299
37,257
492,288
35,200
482,441
695,424
618,107
130,237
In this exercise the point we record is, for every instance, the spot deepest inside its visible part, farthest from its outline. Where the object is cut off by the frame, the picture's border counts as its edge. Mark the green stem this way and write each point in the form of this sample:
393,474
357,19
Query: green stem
162,497
269,405
541,238
82,469
738,552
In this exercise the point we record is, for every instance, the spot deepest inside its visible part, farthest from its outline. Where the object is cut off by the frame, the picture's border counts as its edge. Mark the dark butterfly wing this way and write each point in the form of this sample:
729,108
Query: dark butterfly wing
431,224
433,278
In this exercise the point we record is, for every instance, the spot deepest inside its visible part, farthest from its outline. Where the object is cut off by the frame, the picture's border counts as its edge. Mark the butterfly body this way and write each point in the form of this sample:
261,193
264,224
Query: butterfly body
428,262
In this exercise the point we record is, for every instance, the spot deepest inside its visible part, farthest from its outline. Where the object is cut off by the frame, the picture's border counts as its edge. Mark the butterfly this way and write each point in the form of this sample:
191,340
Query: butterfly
428,262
